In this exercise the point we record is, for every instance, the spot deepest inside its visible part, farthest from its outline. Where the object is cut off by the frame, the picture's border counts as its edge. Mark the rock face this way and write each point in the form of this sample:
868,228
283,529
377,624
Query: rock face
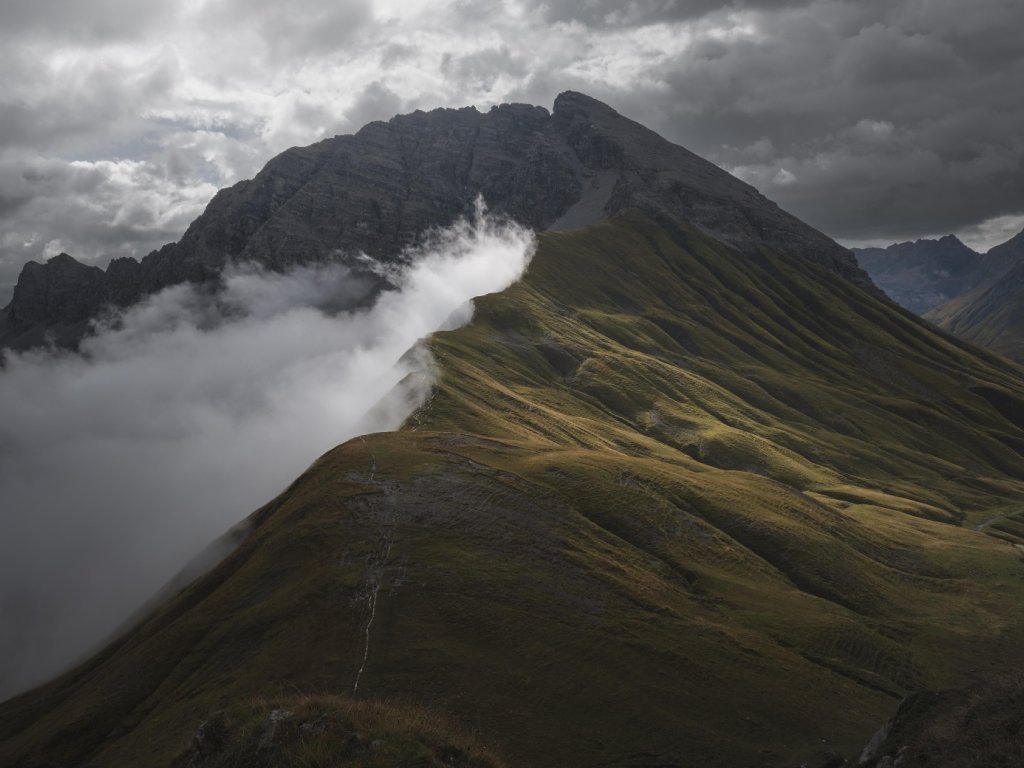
376,191
956,728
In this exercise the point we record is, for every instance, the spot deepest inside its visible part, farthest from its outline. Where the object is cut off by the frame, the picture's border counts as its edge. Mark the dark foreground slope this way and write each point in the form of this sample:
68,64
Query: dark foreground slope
378,190
670,505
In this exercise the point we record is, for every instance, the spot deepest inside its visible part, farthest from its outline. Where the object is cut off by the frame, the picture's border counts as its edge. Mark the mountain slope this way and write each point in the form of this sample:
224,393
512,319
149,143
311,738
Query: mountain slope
380,189
992,315
672,503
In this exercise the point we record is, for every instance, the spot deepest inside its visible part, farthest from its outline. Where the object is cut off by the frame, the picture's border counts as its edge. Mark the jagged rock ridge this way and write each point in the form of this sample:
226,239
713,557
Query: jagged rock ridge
379,189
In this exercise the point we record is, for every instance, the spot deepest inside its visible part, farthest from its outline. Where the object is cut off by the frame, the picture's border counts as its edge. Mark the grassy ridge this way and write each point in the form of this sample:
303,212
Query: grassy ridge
668,505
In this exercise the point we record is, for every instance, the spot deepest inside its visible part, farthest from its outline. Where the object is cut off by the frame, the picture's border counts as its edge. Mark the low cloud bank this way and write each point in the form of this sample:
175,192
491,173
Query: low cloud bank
189,411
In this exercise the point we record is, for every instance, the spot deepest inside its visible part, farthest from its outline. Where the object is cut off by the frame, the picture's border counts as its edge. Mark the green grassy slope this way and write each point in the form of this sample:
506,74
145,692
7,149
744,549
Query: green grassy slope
668,505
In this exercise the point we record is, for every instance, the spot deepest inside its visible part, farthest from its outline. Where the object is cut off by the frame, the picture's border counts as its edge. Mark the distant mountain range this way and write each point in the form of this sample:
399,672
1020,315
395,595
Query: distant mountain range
692,492
921,275
975,296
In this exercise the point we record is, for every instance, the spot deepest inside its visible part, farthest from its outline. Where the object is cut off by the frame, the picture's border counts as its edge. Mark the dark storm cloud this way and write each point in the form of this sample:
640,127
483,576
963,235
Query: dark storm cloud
884,121
376,102
872,120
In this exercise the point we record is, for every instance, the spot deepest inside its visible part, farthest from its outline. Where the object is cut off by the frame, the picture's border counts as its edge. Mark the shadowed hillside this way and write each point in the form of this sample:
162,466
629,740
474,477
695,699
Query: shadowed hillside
671,504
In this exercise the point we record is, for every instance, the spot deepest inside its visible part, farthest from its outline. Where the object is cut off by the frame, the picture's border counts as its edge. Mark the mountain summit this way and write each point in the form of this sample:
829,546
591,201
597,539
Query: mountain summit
378,190
689,493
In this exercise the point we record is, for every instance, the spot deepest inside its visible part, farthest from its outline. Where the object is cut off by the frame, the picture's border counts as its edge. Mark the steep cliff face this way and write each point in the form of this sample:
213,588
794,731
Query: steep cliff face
378,190
62,289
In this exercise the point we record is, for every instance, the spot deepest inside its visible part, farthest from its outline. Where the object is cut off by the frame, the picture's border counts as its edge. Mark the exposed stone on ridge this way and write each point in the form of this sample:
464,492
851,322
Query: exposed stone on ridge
378,190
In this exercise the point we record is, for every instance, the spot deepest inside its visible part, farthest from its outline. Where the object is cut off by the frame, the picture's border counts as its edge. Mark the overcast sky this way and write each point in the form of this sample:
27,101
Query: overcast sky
874,120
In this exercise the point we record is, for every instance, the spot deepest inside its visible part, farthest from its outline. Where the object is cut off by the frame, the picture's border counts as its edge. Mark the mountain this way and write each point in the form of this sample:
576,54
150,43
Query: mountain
991,315
922,274
689,493
378,190
976,297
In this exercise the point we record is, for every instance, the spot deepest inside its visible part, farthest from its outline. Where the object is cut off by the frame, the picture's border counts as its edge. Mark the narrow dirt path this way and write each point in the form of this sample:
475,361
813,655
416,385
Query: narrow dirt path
996,519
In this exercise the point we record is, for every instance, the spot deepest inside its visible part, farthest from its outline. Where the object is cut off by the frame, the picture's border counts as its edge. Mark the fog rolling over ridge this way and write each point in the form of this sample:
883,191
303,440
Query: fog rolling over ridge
190,411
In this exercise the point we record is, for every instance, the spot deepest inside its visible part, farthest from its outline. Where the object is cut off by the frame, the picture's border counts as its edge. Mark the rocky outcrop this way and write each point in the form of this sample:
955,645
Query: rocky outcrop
980,725
326,730
378,190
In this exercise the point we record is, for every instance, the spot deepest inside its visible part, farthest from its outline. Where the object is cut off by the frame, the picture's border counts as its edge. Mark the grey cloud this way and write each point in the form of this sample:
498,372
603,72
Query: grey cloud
880,53
292,31
9,204
93,22
187,414
811,84
480,70
84,105
376,102
608,13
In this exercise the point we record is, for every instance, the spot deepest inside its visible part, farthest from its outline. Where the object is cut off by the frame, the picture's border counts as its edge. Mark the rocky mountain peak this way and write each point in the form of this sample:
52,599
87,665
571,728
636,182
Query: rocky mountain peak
376,191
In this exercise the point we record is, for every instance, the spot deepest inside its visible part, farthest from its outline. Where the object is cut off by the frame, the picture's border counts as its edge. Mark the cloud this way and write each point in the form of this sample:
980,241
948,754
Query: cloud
95,21
993,232
106,208
188,412
607,13
893,117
